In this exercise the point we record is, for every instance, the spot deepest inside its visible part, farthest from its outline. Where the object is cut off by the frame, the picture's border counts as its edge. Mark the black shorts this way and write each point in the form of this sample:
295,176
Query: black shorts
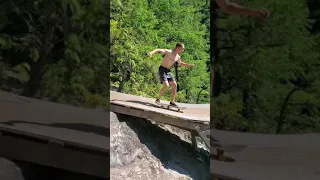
165,75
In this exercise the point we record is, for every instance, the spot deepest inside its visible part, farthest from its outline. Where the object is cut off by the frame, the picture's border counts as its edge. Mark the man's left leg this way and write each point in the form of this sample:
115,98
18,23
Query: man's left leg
173,93
173,90
173,84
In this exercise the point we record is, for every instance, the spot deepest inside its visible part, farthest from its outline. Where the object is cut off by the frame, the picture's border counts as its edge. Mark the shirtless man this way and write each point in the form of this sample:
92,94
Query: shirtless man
166,78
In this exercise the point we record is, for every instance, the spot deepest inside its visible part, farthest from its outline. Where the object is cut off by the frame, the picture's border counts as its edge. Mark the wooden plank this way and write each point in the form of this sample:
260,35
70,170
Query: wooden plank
75,125
245,171
117,96
193,112
310,140
187,115
272,155
184,124
51,140
222,177
269,156
55,156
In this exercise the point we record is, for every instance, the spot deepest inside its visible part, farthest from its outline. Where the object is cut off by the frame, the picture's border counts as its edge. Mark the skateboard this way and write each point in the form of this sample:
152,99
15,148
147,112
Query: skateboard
169,107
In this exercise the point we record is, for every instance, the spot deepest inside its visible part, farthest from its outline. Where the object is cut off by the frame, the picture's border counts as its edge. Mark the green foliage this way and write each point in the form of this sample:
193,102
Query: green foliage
59,49
139,26
269,71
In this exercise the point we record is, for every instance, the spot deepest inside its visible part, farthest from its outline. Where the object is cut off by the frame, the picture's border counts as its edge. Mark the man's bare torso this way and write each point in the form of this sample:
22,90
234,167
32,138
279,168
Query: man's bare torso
169,59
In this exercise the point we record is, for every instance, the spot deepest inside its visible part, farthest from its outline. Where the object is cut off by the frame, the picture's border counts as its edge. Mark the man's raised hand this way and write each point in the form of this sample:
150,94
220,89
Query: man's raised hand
263,14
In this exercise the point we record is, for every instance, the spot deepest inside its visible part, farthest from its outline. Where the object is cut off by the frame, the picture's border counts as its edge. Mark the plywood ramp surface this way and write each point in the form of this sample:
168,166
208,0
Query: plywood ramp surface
193,112
76,125
289,140
246,171
266,156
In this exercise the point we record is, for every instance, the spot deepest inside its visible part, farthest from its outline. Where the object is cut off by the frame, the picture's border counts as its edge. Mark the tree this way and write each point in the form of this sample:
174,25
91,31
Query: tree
267,71
140,26
58,48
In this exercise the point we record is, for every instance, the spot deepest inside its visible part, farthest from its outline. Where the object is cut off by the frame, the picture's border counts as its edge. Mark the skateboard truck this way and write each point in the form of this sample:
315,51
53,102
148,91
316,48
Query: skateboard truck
167,106
177,107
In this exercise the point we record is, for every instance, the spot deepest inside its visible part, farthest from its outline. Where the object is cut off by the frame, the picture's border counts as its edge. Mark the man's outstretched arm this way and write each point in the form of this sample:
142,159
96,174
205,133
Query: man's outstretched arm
184,64
157,51
235,9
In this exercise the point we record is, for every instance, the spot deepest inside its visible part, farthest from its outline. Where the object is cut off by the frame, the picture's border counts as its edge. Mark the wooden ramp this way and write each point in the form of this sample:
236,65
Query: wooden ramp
57,135
256,156
195,117
194,114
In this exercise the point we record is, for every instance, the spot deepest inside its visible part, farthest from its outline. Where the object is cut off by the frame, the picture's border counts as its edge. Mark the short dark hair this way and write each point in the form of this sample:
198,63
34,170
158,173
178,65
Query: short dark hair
179,45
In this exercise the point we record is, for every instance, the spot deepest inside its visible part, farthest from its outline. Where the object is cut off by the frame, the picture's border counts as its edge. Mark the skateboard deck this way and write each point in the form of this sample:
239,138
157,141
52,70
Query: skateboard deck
169,107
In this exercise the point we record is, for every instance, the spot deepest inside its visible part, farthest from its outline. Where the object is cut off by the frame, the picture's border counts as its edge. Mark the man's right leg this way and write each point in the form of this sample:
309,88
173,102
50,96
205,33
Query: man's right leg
163,90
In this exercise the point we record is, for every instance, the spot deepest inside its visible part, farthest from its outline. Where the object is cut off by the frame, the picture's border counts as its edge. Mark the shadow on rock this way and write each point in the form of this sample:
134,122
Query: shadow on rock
173,153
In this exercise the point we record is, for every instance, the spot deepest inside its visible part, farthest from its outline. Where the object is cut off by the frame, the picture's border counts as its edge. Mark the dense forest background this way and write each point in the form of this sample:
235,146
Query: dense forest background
267,73
56,50
140,26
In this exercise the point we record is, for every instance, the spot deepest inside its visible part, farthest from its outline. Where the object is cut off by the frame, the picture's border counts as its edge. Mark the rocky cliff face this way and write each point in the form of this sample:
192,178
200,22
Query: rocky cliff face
142,150
9,170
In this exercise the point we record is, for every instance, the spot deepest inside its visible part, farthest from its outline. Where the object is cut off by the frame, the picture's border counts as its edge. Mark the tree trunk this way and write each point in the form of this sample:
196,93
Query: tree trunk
213,55
121,85
177,76
126,78
33,84
282,111
37,69
246,106
199,96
